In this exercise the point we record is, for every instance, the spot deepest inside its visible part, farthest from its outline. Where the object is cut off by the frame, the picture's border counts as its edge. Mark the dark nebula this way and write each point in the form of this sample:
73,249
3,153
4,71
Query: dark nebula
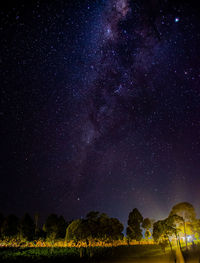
100,106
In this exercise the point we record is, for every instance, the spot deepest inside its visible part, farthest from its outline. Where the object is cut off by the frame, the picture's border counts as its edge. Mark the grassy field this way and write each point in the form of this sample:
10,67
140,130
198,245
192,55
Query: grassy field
125,254
95,254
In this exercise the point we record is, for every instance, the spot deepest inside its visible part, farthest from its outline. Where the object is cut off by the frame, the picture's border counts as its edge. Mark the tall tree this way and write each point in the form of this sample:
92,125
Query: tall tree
26,227
10,226
163,231
146,224
187,212
133,231
55,227
95,226
36,218
62,226
1,222
77,231
197,229
116,229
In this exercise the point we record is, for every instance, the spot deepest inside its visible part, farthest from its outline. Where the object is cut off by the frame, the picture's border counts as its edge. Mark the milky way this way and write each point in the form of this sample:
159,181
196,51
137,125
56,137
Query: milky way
137,106
104,103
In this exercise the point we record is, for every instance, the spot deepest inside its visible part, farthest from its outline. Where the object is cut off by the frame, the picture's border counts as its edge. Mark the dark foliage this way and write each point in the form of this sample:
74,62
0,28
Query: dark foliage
133,231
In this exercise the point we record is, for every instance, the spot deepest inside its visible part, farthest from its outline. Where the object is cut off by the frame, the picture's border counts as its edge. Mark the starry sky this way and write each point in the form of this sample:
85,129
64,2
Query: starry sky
100,106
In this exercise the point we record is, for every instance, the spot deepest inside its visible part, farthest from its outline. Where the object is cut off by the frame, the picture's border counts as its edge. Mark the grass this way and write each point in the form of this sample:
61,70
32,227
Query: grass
38,254
192,254
94,254
134,253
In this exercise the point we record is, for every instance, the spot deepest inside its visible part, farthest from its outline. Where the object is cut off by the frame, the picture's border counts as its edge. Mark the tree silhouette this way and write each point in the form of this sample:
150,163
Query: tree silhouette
134,232
10,226
55,227
95,226
1,222
146,224
163,231
187,212
26,227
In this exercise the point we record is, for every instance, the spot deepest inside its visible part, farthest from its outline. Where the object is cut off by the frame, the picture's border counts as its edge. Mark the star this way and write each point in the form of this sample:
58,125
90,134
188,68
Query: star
177,19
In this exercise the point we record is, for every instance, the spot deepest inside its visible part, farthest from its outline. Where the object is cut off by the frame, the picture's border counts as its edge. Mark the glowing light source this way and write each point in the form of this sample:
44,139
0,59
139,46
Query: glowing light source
177,19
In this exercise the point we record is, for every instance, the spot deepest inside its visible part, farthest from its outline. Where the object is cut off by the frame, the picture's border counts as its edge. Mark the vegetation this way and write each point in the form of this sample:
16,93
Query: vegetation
55,227
84,237
10,227
100,254
95,227
146,224
134,230
187,217
26,228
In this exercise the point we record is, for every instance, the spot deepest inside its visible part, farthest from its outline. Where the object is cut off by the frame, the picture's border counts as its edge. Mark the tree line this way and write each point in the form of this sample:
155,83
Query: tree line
180,226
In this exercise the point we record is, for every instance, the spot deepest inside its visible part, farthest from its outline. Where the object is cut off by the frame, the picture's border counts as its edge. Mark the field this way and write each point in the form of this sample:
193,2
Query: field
120,254
137,253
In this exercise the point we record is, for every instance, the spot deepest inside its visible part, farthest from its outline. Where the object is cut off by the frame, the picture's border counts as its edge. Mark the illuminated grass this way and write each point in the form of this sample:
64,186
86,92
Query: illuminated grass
136,253
73,254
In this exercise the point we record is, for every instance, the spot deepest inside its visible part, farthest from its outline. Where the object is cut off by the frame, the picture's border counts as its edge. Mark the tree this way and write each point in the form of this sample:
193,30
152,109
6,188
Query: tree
92,215
147,234
36,218
134,221
62,226
55,227
102,227
77,231
1,222
9,226
163,231
109,228
197,228
116,229
92,222
174,221
158,230
40,234
187,212
26,227
95,226
146,224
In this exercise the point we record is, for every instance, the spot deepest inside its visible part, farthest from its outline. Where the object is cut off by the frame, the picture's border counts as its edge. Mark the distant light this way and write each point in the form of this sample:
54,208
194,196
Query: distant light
108,30
177,19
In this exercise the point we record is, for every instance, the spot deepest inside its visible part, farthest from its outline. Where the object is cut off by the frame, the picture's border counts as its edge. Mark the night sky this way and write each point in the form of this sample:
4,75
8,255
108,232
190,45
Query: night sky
100,106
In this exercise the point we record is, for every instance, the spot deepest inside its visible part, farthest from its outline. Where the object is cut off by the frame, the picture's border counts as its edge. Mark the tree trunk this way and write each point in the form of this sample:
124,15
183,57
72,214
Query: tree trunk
36,222
170,244
81,252
179,243
185,234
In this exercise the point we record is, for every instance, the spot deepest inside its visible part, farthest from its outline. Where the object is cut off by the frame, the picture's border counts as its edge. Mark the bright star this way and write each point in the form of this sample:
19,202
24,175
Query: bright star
177,19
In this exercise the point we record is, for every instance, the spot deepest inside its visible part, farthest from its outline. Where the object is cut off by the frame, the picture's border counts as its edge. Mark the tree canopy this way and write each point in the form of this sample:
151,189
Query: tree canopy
10,226
133,231
55,226
185,210
26,227
95,226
